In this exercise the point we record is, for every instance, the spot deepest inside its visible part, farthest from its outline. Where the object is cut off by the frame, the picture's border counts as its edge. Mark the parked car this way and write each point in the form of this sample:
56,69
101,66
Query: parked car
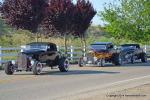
35,57
101,53
133,52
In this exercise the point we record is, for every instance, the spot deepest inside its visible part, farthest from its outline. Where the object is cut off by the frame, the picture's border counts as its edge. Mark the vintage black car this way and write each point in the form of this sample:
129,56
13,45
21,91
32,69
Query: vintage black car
35,56
101,53
133,52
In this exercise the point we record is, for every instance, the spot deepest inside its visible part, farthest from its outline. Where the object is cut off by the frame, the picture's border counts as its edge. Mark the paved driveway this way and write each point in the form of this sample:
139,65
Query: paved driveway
53,84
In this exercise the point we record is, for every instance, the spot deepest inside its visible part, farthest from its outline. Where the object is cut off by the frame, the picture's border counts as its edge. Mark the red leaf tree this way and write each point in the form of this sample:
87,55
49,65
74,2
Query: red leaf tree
24,14
58,18
83,14
65,18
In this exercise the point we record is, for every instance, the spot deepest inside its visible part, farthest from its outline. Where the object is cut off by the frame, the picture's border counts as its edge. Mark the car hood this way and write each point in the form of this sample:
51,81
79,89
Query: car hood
127,49
99,50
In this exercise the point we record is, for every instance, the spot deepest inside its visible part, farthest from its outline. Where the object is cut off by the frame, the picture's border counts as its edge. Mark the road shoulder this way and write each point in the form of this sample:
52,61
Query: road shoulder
125,90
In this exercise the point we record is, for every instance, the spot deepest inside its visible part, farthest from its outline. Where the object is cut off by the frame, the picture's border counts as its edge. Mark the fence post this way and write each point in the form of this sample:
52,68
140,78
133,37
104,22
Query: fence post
145,48
58,49
0,56
71,52
84,51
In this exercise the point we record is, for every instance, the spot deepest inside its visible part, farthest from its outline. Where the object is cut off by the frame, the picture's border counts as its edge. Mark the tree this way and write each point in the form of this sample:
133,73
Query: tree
66,18
83,14
58,18
129,19
23,14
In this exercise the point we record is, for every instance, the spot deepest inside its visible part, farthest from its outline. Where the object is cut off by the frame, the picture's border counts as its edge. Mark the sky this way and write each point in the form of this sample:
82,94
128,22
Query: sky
99,6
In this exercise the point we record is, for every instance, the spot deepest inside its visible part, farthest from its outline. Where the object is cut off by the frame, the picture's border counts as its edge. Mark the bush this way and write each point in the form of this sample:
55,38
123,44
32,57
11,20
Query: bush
22,37
16,38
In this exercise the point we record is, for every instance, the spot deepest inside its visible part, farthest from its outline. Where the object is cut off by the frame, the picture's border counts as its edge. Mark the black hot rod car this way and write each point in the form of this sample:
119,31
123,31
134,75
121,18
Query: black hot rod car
101,53
35,56
133,52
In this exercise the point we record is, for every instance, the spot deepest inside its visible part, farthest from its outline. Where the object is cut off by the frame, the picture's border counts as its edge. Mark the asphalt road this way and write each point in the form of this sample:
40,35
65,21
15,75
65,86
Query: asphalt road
54,85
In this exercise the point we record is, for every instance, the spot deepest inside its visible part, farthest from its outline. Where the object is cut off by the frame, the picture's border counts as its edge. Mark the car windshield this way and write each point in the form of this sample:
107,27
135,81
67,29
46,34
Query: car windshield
36,46
98,47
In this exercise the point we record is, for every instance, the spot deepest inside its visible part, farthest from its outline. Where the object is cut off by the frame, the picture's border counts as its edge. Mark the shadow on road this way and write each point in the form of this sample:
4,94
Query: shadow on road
78,72
72,72
137,64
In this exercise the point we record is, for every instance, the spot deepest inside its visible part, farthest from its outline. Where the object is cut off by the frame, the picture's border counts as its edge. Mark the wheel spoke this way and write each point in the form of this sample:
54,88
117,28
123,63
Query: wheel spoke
39,68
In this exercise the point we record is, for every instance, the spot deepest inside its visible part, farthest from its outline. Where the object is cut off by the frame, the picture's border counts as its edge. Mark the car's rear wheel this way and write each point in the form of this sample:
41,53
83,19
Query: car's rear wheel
144,58
133,59
37,68
9,68
63,65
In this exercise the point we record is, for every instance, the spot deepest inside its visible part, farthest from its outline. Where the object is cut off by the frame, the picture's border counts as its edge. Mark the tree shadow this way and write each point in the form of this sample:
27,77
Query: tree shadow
137,64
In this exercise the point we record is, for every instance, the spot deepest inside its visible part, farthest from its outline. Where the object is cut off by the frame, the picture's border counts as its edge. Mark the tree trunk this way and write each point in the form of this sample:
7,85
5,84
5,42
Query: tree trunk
37,37
41,37
65,43
83,44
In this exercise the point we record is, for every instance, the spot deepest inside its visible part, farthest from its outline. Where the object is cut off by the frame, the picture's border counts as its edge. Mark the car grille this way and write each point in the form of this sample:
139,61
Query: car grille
101,55
22,61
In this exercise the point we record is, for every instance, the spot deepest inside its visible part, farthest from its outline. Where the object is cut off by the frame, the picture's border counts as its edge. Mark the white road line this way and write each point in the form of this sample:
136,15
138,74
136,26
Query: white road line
90,90
114,83
128,80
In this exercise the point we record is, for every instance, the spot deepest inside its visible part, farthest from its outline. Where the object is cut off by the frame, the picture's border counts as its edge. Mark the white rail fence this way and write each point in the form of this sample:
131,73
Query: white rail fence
74,53
10,53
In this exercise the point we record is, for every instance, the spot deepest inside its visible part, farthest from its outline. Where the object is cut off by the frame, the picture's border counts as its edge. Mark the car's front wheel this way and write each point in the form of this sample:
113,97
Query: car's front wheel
9,68
101,63
81,62
37,68
117,59
63,64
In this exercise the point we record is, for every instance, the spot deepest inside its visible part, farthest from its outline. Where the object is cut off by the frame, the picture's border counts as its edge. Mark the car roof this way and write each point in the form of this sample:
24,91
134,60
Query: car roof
130,45
101,43
41,43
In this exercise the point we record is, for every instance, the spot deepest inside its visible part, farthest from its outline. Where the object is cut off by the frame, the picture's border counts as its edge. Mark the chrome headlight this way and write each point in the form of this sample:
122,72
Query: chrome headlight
90,51
32,62
85,58
95,58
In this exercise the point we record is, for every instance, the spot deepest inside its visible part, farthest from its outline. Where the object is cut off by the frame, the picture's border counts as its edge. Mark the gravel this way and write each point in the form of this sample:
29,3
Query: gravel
137,93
